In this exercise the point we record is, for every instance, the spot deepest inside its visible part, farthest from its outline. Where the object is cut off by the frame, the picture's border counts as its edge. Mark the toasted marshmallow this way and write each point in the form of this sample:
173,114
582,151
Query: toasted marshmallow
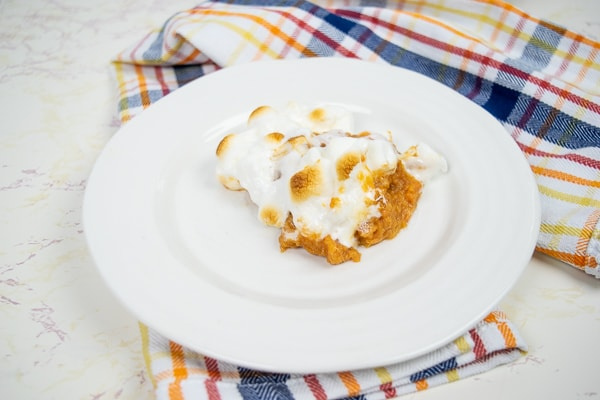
305,161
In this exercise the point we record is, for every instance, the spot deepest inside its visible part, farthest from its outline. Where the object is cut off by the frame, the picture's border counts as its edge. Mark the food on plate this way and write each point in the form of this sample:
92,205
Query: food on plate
328,188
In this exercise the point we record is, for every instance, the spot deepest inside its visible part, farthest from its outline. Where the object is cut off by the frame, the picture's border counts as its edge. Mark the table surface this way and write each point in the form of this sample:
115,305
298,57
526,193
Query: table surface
64,336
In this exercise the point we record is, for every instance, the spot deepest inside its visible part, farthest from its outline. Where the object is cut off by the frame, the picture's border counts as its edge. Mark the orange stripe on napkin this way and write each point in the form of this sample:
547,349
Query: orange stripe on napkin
576,260
350,382
421,385
145,99
179,371
192,56
586,233
503,328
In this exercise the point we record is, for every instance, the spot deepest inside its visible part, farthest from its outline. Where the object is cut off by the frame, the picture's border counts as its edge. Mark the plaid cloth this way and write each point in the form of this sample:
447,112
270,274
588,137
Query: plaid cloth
540,81
179,373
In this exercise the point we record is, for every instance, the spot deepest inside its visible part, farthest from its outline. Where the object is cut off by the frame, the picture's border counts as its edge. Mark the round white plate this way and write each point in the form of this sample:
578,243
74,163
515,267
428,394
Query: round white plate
191,260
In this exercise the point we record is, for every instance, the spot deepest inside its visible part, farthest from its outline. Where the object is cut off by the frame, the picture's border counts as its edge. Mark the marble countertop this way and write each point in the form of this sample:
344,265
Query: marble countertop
64,336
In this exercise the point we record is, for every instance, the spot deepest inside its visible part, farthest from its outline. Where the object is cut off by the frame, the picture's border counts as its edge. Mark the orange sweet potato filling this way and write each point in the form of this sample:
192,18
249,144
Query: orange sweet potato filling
400,192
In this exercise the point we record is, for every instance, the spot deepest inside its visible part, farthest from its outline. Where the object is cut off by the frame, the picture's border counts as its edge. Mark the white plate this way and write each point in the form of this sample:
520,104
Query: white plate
191,260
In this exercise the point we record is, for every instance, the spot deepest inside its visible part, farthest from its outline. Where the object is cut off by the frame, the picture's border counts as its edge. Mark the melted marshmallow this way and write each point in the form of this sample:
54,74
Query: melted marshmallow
305,161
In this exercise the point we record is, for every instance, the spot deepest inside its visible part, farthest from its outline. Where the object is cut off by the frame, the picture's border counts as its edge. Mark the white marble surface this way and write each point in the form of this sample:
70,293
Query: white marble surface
63,336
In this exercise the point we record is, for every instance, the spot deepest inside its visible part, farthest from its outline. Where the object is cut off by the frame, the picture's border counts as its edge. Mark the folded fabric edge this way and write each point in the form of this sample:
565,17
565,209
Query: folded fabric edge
199,387
593,249
493,342
586,256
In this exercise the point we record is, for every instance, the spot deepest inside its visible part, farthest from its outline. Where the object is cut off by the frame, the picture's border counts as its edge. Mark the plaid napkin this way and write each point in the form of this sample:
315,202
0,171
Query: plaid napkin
538,79
179,373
